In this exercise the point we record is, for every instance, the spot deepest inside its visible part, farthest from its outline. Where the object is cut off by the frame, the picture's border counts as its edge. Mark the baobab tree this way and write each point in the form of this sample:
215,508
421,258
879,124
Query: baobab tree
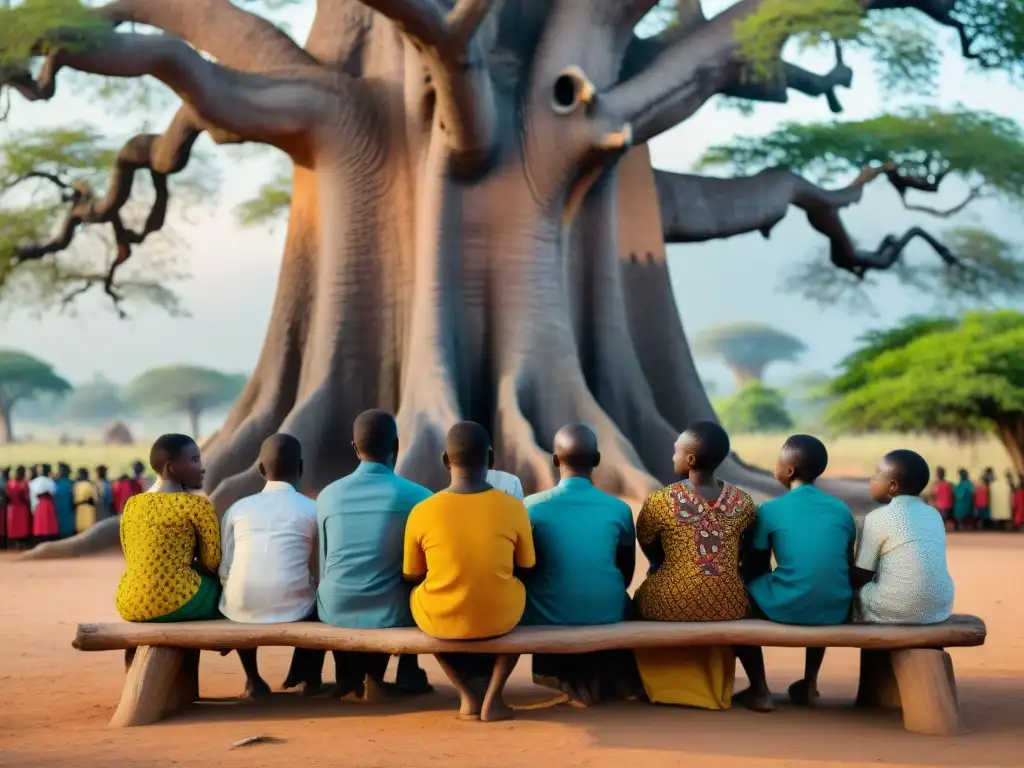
746,349
475,230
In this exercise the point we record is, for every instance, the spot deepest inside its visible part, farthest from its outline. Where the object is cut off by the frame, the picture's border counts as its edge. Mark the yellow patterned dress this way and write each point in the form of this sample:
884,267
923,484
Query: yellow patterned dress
694,545
161,534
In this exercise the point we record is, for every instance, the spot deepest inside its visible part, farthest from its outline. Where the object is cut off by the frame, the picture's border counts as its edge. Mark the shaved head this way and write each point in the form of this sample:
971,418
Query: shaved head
576,449
281,458
375,437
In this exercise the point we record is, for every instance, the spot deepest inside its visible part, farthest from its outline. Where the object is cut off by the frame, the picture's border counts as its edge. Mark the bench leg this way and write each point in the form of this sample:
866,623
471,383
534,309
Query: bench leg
159,682
927,688
494,706
877,689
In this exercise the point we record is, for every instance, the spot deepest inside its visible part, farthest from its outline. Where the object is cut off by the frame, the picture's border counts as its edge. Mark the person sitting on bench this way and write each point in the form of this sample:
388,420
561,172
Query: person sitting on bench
362,528
586,553
900,567
462,548
811,535
268,572
171,541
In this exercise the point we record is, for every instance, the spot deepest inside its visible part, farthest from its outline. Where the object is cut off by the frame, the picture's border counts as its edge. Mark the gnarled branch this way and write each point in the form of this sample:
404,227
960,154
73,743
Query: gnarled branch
698,208
163,155
237,38
457,64
263,108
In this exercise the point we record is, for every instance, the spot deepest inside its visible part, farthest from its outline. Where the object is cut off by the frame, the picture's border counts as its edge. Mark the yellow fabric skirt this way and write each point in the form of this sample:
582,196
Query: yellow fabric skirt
694,677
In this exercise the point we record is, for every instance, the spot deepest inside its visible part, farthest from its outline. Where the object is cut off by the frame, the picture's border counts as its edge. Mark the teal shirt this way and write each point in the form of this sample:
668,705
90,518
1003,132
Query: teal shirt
577,531
811,535
963,500
361,520
64,502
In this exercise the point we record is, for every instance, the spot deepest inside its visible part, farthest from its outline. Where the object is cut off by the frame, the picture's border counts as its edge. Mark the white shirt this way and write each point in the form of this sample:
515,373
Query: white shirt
904,543
268,540
38,487
506,482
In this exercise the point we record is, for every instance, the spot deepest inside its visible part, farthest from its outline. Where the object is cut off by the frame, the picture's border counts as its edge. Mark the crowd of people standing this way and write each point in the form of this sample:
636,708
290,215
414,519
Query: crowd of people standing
375,550
988,504
38,504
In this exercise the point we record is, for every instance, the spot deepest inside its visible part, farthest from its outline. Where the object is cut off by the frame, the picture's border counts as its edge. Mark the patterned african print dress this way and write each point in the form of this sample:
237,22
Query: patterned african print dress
694,547
161,534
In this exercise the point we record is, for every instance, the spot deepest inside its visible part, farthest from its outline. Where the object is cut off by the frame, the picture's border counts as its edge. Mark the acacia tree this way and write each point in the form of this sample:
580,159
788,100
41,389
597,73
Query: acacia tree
963,378
747,349
185,389
23,377
469,235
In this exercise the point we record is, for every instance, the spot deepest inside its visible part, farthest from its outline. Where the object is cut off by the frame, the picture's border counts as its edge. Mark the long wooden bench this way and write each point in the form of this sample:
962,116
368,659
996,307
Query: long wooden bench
901,666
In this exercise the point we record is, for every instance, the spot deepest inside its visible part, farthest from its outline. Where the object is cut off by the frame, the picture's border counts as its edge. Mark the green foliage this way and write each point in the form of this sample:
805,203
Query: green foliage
98,401
982,148
269,203
808,397
907,60
754,409
25,27
183,389
23,376
747,346
958,377
997,32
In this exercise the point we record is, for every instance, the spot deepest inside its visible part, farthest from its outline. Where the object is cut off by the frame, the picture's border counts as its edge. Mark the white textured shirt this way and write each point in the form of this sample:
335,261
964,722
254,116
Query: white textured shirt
506,482
268,540
904,543
38,487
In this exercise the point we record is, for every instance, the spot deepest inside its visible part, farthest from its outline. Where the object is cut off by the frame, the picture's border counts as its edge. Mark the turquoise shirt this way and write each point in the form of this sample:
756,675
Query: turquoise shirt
577,531
361,519
64,503
811,535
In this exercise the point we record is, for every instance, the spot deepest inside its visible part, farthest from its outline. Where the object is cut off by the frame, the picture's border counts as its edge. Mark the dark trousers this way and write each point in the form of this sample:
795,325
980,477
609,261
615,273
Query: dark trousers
470,665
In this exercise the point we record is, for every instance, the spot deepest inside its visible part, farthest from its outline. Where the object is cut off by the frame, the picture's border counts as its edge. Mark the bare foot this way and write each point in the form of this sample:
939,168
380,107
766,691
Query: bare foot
256,690
759,701
804,693
495,711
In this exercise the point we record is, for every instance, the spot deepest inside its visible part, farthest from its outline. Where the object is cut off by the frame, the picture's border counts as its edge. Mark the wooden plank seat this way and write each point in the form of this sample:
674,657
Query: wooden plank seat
901,666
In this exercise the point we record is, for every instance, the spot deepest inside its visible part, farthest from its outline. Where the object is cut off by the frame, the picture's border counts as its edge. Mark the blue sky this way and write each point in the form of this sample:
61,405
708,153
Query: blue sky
234,271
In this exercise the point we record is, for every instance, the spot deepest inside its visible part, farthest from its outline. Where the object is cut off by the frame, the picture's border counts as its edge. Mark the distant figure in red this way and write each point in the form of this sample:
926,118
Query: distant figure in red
122,490
1018,503
983,501
44,518
19,511
943,493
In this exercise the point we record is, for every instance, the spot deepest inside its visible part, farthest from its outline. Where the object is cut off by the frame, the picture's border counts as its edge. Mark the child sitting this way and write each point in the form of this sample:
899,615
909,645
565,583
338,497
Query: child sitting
811,535
900,566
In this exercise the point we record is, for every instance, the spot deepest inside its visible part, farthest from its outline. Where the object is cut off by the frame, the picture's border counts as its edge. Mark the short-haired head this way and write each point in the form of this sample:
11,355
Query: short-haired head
900,473
940,473
281,458
575,450
176,458
467,448
375,437
64,469
19,472
101,472
802,459
701,448
82,474
47,470
963,474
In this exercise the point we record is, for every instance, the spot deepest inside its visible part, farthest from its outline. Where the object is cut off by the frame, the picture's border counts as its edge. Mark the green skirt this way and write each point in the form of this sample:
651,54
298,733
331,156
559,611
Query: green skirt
203,606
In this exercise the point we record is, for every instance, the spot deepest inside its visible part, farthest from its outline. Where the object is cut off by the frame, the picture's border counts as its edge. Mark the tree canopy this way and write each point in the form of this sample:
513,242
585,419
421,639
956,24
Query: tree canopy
96,401
962,377
747,348
22,377
185,389
755,409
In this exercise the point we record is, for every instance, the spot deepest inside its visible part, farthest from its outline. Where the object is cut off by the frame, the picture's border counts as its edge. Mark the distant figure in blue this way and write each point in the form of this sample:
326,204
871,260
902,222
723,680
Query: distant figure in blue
64,501
362,519
586,553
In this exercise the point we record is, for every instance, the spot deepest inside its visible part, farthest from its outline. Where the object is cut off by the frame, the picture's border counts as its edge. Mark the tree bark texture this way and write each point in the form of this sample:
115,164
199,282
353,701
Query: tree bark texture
476,231
6,432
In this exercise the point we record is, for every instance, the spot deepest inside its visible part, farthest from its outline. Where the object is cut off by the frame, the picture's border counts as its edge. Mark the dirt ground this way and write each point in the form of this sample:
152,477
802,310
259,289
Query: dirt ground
55,702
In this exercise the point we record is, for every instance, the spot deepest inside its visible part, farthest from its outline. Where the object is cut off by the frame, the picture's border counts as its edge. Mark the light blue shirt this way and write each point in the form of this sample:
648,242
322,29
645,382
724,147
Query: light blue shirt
361,519
811,535
577,532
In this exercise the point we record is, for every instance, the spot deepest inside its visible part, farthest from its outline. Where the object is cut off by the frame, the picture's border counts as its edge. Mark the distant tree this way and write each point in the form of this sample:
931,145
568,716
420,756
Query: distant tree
184,389
747,349
754,409
98,401
23,377
808,397
963,378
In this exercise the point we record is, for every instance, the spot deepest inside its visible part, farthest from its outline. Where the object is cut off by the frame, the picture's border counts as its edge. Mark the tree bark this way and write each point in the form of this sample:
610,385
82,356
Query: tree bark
193,411
1011,434
6,432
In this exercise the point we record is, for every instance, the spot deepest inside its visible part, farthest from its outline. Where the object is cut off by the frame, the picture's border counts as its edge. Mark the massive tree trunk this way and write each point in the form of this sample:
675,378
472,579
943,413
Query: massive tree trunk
6,432
470,237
